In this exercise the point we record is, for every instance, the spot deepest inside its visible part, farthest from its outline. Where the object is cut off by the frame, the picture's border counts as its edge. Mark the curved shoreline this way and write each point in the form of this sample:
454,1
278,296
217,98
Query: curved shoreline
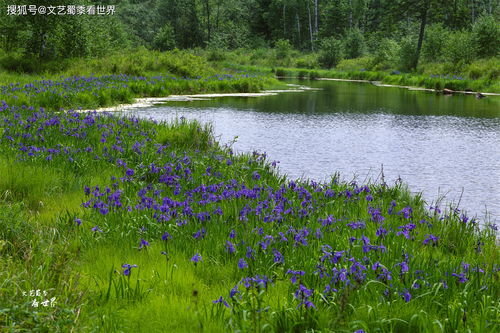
380,84
150,101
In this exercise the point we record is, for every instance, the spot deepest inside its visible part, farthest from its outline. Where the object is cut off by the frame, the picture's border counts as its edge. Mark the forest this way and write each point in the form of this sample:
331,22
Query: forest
436,37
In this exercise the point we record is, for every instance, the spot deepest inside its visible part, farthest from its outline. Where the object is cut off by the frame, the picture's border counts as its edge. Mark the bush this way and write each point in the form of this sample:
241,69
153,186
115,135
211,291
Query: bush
283,48
433,47
19,64
313,75
407,54
486,36
354,43
307,61
359,64
303,74
280,72
331,52
164,39
385,55
460,49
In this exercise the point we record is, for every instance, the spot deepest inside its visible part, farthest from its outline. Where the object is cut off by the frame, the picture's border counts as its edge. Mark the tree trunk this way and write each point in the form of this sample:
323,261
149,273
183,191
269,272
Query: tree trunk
316,18
217,16
207,11
473,11
350,14
284,20
310,25
423,23
298,25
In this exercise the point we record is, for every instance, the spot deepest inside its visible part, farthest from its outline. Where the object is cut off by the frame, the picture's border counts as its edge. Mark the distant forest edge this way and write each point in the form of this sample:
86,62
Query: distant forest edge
459,38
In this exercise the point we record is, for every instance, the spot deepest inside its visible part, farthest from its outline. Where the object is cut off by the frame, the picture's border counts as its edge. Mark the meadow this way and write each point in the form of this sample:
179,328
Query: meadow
111,224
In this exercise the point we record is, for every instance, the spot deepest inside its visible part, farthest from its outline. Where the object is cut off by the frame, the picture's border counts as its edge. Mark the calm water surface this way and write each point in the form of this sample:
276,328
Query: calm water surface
438,145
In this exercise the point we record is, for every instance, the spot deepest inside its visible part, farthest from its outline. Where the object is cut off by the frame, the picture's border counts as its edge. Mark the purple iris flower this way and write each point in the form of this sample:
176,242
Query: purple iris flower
431,238
242,264
196,258
166,236
127,268
144,243
221,300
96,229
230,247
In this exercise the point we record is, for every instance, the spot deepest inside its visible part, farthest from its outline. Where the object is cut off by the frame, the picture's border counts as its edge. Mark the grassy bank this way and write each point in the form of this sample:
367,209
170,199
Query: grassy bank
129,225
116,79
478,75
430,81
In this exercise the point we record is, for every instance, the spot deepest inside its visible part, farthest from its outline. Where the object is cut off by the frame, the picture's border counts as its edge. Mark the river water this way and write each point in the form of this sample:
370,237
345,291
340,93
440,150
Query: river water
447,147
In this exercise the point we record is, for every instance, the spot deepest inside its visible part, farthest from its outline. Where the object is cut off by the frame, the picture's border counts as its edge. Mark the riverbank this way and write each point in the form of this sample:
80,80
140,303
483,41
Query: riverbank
116,79
437,83
121,223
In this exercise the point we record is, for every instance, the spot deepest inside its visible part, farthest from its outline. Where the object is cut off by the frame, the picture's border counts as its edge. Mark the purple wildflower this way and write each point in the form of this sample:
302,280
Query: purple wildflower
196,258
242,264
127,268
221,300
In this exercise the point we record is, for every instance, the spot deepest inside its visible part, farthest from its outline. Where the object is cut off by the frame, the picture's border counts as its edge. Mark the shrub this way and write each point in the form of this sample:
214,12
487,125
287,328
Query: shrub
331,52
307,61
486,36
164,39
460,48
354,44
359,64
313,75
280,72
283,48
20,64
385,55
407,55
433,46
303,74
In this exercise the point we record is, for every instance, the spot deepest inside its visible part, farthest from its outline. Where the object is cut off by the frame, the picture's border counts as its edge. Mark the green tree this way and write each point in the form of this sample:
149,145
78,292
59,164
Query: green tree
331,52
164,39
354,43
486,35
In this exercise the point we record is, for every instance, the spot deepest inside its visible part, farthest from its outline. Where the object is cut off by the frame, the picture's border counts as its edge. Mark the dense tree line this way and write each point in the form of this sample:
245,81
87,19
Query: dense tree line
349,28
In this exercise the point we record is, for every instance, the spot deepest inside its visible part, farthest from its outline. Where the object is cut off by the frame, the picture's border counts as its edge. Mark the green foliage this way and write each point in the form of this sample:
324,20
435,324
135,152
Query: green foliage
164,40
19,63
407,54
386,54
331,52
486,36
354,43
460,48
307,61
358,64
283,49
435,40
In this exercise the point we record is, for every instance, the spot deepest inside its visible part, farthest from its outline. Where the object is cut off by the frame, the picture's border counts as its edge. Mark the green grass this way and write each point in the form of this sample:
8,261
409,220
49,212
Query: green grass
124,78
43,247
